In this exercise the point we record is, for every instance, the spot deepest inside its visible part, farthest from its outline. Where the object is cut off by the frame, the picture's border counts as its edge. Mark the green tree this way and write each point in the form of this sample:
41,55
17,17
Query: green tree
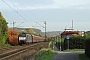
75,42
40,35
3,30
30,30
87,45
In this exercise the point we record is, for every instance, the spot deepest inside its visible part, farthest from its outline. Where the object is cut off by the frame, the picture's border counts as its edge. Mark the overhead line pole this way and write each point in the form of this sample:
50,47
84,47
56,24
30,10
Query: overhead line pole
72,23
45,29
40,25
13,25
60,41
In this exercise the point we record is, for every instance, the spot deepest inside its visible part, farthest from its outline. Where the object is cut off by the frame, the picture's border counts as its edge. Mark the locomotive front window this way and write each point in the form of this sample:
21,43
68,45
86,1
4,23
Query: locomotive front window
22,35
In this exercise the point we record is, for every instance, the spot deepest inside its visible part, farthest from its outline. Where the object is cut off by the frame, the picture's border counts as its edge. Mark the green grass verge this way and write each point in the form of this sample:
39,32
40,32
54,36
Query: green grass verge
74,50
83,57
45,55
4,45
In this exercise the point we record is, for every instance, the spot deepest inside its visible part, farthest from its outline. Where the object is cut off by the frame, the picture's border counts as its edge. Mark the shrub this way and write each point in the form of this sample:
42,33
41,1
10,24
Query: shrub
87,46
75,42
13,37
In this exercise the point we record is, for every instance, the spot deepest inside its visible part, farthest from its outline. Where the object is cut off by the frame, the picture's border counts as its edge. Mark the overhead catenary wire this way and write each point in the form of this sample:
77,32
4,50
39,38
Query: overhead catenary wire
14,5
28,9
18,9
9,6
40,25
15,11
18,12
31,13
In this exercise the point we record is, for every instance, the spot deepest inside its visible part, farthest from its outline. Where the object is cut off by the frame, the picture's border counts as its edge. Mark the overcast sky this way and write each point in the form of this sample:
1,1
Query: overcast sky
58,14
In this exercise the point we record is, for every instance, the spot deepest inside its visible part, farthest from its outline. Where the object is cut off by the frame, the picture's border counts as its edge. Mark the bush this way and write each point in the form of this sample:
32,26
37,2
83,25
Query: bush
13,37
51,45
75,42
87,46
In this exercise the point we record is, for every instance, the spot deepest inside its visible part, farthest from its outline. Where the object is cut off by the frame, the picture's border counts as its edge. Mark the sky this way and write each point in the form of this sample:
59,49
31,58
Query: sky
58,14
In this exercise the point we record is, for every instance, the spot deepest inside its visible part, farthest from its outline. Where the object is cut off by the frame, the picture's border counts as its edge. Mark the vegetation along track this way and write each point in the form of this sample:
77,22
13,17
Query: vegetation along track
19,53
9,49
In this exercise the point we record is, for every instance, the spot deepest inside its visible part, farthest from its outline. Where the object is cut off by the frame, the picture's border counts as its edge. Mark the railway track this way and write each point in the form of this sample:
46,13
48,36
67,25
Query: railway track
23,50
7,49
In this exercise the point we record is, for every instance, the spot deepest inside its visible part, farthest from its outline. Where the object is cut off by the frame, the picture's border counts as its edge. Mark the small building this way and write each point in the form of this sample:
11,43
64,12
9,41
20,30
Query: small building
71,32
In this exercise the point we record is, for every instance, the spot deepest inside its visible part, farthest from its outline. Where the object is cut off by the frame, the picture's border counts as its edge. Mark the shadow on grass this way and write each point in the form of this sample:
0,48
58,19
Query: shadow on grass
83,57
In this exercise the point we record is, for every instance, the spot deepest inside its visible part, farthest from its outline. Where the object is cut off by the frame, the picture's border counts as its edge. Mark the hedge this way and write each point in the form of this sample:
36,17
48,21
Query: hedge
75,42
87,46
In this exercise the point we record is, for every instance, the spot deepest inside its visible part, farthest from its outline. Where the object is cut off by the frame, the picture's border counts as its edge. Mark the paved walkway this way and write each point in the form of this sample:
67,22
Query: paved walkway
66,55
55,48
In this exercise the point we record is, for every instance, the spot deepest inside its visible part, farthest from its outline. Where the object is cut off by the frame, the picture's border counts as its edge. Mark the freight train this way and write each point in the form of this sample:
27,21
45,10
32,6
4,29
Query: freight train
28,38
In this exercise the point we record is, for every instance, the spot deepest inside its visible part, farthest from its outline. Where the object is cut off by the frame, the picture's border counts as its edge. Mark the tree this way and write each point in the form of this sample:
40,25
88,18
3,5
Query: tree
30,30
21,31
75,42
48,36
3,30
13,37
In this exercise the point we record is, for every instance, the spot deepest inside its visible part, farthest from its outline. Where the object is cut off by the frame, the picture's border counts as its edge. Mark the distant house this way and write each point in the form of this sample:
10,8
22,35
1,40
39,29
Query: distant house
65,33
70,31
80,33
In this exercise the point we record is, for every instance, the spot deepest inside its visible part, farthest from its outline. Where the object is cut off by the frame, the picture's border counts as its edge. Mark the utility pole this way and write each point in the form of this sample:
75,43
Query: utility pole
13,25
45,29
60,41
72,23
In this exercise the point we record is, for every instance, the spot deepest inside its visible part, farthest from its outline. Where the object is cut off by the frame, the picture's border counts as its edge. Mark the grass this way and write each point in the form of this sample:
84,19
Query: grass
74,50
83,57
45,55
4,45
